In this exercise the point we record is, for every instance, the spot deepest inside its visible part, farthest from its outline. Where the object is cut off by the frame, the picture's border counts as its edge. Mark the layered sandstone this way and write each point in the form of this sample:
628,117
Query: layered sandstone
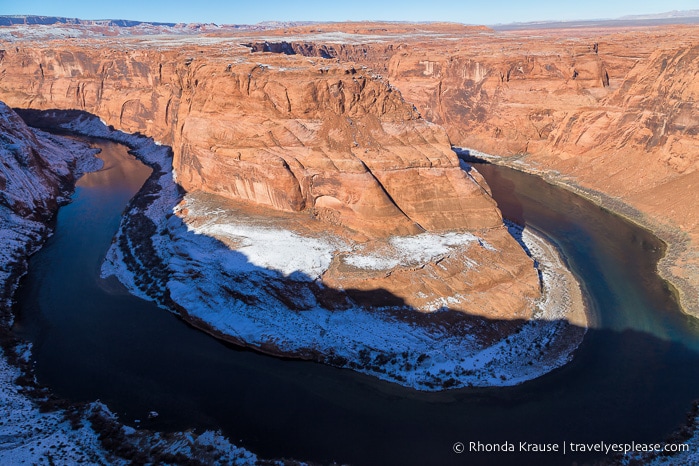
288,133
330,140
330,143
608,110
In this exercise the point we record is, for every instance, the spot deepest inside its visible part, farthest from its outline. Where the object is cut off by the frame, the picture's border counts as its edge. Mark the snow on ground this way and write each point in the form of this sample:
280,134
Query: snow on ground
246,294
16,234
308,257
29,436
410,250
30,187
678,452
219,286
31,432
274,249
690,456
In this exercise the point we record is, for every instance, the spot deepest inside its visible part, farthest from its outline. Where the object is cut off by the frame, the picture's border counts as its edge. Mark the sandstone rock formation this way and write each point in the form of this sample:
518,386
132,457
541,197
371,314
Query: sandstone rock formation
609,109
329,141
289,133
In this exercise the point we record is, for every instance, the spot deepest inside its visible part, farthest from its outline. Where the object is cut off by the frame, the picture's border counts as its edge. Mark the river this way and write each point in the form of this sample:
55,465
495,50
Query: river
633,378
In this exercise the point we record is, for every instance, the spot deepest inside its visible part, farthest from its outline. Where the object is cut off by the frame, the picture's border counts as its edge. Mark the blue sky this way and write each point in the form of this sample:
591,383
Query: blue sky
253,11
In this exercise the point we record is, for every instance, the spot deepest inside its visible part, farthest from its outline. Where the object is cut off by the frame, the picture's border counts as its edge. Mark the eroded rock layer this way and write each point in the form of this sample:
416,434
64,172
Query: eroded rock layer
286,132
607,110
301,119
331,142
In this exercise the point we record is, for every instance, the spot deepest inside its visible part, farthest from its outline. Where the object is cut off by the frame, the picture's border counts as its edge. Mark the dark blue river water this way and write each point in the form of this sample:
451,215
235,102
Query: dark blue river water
633,378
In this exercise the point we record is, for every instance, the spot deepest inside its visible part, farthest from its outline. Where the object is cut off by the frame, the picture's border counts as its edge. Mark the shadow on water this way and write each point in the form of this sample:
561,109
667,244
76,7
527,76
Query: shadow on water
633,378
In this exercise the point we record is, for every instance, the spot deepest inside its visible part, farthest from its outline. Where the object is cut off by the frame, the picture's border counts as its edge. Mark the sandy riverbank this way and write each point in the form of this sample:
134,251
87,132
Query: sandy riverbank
563,298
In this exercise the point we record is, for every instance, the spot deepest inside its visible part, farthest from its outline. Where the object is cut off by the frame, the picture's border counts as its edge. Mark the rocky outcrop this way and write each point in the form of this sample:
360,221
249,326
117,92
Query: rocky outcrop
324,213
333,141
307,136
609,110
606,110
314,128
288,133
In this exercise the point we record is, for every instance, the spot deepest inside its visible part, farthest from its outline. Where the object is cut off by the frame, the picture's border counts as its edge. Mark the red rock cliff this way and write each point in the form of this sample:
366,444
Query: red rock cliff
608,109
279,131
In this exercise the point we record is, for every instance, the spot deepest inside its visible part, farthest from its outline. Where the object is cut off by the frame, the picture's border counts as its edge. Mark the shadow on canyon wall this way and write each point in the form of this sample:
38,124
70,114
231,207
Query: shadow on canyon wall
623,385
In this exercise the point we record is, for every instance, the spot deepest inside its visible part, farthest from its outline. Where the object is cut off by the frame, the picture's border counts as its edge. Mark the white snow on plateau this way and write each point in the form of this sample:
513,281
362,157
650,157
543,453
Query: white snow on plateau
411,250
275,249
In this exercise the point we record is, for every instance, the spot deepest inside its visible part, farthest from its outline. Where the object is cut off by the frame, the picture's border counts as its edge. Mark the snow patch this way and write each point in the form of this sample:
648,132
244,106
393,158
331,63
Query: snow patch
410,250
275,249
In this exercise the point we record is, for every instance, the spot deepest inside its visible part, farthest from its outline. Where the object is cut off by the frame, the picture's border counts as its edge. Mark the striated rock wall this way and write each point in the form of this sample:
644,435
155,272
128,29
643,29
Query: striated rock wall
341,144
566,99
312,127
308,137
285,132
610,111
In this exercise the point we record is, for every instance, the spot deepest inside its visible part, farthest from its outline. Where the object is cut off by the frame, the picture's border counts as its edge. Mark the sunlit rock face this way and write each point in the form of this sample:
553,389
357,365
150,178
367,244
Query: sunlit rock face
610,109
287,132
333,144
330,140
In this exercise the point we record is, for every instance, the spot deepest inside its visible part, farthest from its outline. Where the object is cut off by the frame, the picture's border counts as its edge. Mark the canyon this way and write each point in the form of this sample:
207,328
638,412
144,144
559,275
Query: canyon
38,175
299,154
608,112
323,140
346,130
305,199
329,109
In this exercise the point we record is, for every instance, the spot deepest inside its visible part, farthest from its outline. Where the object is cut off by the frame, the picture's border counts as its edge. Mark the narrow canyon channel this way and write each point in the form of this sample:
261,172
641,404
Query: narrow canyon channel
633,378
